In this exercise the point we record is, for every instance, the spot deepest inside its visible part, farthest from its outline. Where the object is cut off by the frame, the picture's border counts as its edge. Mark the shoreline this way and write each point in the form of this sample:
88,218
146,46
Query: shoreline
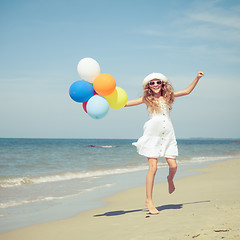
204,206
70,207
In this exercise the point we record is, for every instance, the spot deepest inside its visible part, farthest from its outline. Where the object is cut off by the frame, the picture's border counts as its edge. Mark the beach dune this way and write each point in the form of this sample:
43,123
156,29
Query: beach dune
204,206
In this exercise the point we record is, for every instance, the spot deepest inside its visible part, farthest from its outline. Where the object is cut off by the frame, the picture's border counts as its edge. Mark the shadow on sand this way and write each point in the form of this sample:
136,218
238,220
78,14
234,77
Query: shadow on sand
160,208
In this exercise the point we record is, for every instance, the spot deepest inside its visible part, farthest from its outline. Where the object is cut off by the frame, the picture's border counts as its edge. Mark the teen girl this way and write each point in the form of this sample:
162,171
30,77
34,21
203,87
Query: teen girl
158,138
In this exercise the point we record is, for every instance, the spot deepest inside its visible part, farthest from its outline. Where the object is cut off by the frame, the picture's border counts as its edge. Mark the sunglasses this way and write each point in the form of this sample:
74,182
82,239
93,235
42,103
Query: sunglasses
159,82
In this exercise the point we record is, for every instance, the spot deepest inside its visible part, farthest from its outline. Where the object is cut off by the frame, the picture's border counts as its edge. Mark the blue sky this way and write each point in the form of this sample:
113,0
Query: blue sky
42,42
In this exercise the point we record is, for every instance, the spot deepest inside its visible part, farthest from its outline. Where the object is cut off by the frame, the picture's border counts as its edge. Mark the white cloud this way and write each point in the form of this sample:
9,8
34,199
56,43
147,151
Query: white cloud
204,51
207,23
206,30
220,17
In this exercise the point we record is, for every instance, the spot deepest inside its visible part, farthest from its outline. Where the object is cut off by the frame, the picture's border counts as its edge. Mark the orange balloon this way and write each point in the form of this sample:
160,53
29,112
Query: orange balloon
104,84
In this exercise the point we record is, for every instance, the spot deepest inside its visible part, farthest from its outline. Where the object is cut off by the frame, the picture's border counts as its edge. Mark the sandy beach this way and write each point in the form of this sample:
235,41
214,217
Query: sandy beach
204,206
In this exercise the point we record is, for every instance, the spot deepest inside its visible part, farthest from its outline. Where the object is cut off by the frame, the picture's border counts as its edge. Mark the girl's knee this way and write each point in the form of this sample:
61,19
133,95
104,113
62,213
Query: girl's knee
173,168
152,165
172,163
153,169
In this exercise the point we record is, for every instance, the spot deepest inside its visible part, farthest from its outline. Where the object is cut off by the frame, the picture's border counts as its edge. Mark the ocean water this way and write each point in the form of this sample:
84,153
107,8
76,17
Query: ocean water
48,179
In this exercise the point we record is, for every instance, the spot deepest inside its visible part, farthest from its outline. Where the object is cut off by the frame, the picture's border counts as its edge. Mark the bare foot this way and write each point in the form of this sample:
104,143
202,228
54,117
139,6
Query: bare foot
150,206
171,187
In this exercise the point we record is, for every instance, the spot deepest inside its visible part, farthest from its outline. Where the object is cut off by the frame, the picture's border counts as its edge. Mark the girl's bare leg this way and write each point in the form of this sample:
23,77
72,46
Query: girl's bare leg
149,185
172,171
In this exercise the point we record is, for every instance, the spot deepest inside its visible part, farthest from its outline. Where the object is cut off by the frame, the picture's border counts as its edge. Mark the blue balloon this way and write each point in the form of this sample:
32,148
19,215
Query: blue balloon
81,91
97,107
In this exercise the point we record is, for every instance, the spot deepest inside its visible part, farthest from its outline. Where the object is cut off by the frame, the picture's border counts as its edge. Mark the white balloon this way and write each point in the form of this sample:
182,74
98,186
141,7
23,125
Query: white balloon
88,69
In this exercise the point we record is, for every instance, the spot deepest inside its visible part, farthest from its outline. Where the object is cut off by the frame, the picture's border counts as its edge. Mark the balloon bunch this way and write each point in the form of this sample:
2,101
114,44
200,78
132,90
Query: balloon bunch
96,91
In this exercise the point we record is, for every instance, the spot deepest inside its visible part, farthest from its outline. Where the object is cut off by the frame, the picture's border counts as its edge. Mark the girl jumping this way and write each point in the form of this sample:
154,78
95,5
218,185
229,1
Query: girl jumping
158,138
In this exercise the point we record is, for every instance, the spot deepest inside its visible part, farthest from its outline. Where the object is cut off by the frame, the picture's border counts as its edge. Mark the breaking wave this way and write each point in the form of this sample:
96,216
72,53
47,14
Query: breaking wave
49,198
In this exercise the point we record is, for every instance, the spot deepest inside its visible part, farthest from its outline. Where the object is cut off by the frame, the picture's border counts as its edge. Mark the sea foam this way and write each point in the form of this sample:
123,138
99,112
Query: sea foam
50,198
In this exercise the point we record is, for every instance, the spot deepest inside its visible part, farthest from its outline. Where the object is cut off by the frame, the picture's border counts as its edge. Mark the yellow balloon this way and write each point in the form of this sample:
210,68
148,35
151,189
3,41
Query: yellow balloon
117,99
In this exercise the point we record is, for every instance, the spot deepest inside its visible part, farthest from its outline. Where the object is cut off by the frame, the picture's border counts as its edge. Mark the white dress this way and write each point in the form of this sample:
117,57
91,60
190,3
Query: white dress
158,138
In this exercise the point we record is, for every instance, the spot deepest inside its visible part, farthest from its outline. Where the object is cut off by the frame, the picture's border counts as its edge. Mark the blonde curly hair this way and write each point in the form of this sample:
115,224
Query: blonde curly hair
167,93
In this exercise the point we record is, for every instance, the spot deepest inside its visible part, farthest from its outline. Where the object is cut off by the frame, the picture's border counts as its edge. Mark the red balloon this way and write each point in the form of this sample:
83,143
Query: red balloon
84,105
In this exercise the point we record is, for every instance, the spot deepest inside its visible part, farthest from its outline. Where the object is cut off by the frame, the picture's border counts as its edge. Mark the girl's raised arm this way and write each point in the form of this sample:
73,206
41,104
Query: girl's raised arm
189,89
134,102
